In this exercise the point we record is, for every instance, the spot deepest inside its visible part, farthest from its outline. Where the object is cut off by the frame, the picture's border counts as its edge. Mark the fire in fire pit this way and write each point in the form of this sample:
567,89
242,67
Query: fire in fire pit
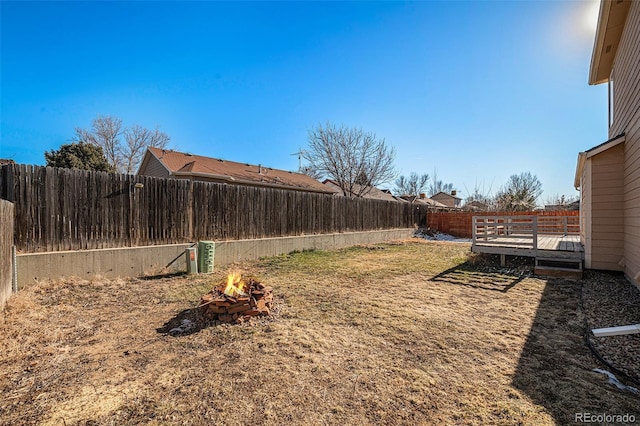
237,299
234,286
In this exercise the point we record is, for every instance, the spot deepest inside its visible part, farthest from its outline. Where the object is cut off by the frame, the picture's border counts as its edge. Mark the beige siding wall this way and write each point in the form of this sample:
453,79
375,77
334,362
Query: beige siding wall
445,199
626,106
585,212
155,168
632,197
607,215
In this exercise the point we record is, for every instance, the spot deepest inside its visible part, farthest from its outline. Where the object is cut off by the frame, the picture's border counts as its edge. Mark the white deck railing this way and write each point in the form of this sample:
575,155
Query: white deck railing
522,231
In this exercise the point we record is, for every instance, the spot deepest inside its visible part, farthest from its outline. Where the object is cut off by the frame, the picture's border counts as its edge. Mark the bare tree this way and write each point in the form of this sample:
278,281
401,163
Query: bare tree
519,193
311,172
354,159
438,185
412,185
125,154
105,132
137,140
479,199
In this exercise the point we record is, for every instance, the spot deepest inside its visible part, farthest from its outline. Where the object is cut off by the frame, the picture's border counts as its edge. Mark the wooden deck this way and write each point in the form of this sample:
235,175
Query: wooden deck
546,238
548,246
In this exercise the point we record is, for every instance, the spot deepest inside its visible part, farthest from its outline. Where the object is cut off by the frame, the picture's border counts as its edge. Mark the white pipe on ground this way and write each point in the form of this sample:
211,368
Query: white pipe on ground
616,331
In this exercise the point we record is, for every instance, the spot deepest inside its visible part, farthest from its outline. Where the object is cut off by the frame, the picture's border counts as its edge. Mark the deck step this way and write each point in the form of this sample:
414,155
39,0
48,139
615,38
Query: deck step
560,262
556,271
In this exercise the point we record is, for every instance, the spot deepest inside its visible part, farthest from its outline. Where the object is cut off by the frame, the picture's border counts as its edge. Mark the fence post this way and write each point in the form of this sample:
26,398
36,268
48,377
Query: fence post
486,228
426,218
565,225
473,229
14,275
535,232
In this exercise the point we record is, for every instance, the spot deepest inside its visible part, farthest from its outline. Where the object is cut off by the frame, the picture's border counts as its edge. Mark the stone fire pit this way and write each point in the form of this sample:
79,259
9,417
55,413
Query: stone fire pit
236,300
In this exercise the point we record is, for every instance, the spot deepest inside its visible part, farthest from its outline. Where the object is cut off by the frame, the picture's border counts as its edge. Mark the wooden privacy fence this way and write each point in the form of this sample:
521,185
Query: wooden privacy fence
460,224
65,209
6,256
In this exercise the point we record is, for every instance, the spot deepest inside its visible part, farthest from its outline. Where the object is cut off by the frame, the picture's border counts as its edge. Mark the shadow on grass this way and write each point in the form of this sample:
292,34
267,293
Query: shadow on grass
160,276
468,275
186,322
555,366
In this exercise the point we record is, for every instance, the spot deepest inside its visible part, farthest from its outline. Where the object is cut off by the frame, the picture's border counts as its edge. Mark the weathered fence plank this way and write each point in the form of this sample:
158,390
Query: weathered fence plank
66,209
6,257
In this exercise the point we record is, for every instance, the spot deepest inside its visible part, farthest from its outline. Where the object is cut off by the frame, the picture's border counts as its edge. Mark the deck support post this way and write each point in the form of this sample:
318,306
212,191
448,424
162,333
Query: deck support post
503,260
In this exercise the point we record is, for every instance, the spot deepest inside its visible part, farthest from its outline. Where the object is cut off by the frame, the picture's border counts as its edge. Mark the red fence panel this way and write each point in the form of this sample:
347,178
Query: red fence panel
458,224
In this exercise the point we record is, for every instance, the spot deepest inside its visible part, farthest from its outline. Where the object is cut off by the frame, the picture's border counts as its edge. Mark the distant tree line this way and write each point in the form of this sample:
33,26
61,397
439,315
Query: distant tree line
520,193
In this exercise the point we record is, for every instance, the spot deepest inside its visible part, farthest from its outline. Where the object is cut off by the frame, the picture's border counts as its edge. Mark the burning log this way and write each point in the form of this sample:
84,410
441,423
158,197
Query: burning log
237,299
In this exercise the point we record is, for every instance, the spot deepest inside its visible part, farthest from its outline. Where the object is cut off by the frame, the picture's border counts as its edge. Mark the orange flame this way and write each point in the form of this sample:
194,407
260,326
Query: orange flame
235,285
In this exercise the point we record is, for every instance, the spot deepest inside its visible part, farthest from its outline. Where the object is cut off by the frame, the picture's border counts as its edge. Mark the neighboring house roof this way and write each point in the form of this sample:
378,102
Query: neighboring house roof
476,205
444,194
583,156
433,203
613,14
426,201
197,167
374,193
450,200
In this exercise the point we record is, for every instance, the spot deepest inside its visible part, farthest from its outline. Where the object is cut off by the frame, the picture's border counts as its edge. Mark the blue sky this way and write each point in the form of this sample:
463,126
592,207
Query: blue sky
477,90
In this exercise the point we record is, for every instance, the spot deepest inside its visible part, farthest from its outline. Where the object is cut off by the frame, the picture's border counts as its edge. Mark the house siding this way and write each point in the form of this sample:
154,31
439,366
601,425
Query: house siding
607,215
585,212
154,167
447,200
626,108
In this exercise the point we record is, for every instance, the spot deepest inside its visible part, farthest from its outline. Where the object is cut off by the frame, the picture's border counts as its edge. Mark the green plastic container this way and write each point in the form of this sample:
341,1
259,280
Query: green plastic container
206,255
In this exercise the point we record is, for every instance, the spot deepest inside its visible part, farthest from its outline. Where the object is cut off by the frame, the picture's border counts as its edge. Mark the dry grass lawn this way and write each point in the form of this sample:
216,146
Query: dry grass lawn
406,333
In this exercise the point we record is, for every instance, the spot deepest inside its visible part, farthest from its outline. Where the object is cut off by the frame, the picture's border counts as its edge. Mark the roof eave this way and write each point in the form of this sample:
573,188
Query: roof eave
231,179
582,156
605,145
203,175
611,19
598,149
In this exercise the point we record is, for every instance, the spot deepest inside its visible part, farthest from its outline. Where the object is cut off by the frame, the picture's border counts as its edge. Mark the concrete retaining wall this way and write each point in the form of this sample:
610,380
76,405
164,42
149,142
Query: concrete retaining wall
150,260
111,263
